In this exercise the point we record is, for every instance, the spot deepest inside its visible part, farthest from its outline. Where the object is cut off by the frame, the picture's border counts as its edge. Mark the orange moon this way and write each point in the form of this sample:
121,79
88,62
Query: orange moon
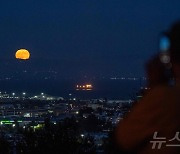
22,54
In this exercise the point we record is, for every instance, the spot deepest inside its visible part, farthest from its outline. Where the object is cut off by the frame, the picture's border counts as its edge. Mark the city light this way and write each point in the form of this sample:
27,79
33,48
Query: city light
82,135
84,87
89,86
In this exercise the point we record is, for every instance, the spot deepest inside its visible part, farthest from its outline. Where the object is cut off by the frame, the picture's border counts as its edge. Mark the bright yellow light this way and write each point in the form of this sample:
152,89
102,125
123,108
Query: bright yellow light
22,54
84,87
89,86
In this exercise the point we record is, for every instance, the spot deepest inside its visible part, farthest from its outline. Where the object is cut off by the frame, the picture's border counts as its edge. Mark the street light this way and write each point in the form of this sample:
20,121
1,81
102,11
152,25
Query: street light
24,95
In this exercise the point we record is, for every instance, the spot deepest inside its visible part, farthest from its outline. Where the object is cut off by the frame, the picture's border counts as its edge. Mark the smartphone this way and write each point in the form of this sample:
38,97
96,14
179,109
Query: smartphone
164,47
164,55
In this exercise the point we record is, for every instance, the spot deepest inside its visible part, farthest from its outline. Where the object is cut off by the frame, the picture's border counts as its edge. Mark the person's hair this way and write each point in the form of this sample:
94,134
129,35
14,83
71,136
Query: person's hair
174,35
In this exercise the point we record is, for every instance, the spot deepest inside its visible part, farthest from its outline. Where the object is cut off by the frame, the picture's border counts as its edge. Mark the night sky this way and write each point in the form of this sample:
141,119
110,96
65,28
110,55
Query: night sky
83,37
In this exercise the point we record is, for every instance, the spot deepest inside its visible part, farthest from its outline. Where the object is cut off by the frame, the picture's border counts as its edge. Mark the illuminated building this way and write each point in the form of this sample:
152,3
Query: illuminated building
84,87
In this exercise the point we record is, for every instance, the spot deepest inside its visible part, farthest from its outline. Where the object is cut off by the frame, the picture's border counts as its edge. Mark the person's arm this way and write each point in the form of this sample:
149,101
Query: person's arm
141,123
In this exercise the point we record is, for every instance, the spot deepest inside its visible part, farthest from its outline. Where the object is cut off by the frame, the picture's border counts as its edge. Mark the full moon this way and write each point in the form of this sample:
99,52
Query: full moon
22,54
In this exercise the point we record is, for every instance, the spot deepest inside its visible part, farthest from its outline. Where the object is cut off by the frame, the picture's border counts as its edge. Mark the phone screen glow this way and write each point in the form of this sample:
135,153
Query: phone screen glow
164,43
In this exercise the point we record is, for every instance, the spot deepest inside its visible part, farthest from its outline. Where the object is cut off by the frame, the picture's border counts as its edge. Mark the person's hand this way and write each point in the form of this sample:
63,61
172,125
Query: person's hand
155,72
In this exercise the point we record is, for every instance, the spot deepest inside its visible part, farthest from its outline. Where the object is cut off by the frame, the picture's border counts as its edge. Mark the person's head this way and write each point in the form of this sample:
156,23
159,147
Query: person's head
174,36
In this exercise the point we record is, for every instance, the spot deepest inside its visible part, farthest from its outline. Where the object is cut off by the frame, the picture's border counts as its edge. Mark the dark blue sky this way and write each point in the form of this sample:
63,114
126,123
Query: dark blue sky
84,37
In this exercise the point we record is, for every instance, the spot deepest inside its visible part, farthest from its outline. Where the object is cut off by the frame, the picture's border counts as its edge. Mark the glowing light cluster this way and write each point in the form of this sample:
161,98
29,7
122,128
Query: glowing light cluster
84,87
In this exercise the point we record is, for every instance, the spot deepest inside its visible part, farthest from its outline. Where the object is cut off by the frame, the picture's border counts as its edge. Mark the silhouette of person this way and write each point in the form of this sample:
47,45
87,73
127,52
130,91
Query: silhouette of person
152,126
